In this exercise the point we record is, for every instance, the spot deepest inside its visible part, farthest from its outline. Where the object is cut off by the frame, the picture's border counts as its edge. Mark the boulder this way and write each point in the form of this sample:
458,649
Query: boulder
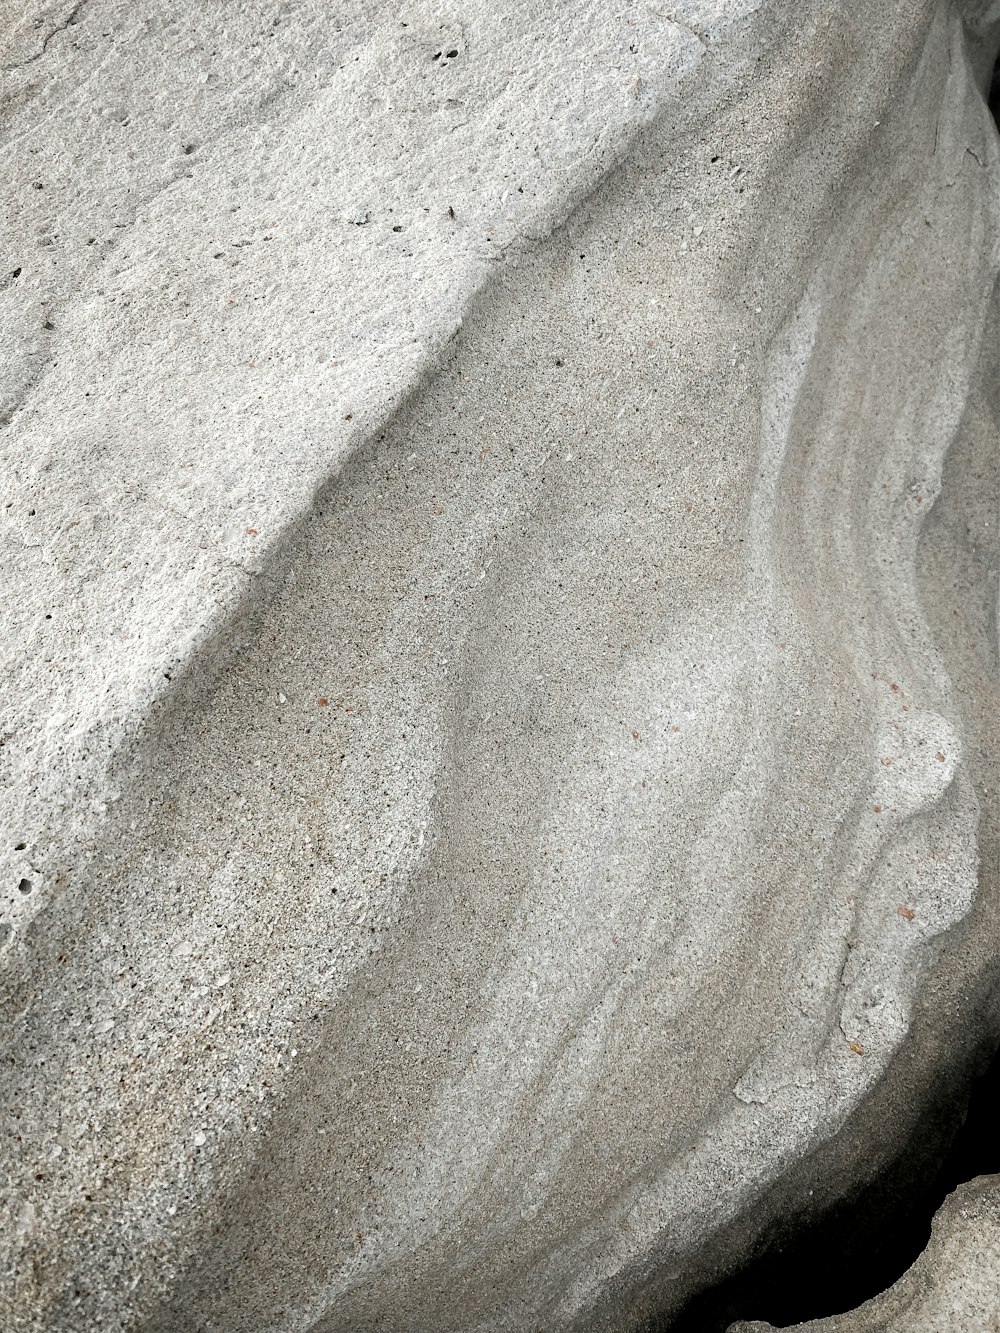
499,528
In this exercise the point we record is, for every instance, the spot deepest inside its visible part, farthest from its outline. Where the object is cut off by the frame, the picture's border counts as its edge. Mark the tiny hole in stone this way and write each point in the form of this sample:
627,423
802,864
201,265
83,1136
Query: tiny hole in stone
24,886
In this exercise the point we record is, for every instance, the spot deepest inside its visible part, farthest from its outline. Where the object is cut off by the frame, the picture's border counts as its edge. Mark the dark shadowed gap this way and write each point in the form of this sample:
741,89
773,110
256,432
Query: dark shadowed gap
865,1244
994,97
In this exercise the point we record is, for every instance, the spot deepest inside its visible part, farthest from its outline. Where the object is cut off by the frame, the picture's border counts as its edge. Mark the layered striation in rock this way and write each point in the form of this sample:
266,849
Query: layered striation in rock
500,582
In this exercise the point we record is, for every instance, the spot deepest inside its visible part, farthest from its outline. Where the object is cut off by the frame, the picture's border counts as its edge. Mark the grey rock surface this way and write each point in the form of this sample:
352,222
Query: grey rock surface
500,576
953,1286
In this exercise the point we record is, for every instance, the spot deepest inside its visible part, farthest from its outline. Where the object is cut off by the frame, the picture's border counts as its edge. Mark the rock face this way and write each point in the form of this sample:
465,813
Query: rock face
500,524
950,1289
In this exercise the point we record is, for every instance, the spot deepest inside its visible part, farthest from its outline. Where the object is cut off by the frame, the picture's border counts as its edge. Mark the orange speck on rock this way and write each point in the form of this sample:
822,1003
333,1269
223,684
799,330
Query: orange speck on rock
635,735
887,762
856,1047
939,756
906,912
250,532
877,809
322,703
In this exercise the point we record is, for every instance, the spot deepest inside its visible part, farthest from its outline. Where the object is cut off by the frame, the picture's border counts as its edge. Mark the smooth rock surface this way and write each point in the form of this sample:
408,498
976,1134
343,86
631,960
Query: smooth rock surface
953,1286
495,781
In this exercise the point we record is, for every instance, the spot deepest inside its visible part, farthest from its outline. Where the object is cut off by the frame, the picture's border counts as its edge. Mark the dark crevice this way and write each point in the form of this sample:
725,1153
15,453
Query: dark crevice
994,94
865,1243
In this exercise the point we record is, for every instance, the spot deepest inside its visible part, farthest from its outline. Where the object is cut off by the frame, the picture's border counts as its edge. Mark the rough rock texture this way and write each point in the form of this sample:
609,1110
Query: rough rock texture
953,1286
500,580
